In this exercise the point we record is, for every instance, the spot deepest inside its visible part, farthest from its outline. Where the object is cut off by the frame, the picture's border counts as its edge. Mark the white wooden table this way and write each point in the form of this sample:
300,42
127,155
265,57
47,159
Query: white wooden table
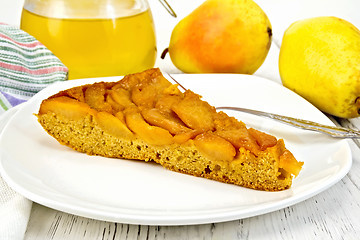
332,214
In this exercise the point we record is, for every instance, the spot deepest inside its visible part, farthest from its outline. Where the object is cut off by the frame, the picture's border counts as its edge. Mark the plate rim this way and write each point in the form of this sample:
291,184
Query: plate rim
164,220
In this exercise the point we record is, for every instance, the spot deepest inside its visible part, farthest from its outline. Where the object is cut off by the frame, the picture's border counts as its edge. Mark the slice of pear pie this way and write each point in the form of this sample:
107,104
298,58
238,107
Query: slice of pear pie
145,117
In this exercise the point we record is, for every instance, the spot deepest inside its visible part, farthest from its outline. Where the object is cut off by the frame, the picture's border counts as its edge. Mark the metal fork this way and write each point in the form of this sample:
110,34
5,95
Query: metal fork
336,132
168,8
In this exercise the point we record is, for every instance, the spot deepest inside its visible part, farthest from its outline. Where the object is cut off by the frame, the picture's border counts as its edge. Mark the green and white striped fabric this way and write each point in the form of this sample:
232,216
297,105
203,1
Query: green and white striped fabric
26,67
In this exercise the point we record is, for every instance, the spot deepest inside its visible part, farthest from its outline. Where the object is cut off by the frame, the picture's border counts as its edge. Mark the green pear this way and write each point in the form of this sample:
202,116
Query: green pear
320,60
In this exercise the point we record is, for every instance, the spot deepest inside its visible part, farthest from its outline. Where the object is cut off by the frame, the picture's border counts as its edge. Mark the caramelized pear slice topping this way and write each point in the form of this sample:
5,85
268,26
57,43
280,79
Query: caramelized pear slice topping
262,139
166,102
289,163
112,125
151,134
215,147
164,120
144,96
65,106
184,137
240,138
77,93
121,97
95,97
194,112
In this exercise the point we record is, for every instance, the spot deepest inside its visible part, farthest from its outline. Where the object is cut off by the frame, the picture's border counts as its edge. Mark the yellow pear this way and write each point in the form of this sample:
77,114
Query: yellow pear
223,36
320,60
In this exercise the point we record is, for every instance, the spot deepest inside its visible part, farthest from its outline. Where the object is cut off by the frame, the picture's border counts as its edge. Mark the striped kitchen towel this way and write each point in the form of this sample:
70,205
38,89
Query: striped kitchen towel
26,67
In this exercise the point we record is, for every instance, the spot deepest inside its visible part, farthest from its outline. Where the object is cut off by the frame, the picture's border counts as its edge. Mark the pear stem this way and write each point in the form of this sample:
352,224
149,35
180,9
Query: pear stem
163,54
357,103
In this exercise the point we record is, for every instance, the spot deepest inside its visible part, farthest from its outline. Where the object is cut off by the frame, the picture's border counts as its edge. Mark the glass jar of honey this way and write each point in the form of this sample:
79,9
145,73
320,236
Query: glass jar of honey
94,38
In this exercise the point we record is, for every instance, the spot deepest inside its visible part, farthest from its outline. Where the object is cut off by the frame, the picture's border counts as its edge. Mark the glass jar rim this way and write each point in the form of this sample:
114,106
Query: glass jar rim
86,9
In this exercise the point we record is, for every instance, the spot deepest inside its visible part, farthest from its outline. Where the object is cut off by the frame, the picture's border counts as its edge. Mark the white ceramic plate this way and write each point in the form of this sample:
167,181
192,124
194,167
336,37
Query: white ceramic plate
135,192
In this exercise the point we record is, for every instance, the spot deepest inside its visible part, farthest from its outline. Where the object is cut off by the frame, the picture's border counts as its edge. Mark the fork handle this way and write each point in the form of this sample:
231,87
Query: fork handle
337,132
